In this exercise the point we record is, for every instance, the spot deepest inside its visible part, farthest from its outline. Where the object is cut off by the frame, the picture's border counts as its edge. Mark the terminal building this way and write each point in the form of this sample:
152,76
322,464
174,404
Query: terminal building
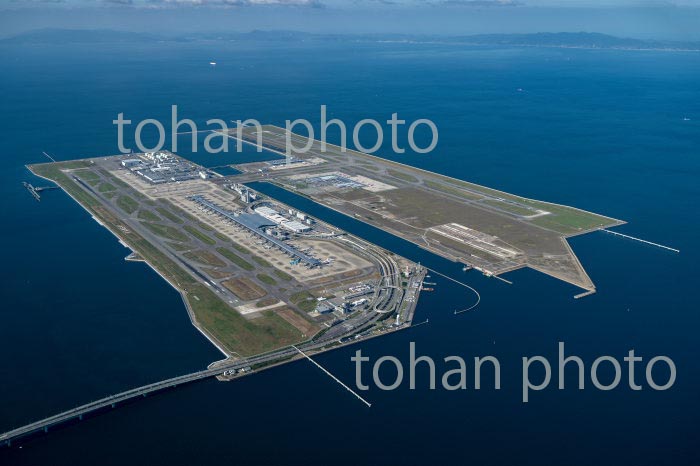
247,195
256,223
274,216
296,227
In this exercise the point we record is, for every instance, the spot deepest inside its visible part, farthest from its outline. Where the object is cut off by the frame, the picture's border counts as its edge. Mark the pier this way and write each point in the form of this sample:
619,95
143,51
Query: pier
476,293
584,294
49,156
641,240
34,190
367,403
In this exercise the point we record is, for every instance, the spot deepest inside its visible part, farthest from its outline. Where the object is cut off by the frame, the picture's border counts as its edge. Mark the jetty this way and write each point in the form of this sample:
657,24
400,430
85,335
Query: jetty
35,190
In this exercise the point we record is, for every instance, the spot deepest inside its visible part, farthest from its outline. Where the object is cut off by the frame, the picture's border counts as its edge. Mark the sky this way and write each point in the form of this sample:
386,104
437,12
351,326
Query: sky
648,19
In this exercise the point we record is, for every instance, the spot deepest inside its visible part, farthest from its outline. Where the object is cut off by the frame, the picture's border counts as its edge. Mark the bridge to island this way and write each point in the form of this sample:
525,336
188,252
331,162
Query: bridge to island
269,359
112,401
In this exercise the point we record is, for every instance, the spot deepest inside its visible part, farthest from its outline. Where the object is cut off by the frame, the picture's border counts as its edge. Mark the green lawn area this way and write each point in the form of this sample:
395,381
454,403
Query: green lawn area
169,215
247,337
69,165
105,187
165,231
268,280
307,306
114,179
402,176
261,261
222,237
562,219
234,258
199,235
179,246
516,209
205,257
301,296
568,220
88,175
148,215
241,248
304,300
127,204
266,302
283,275
445,188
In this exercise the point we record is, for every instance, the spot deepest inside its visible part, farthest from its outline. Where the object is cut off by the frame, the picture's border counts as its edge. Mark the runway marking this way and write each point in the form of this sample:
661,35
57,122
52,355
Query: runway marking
333,377
641,240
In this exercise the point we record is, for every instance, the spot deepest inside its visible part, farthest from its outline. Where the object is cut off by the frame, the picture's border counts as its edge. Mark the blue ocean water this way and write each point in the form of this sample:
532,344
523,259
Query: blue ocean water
601,130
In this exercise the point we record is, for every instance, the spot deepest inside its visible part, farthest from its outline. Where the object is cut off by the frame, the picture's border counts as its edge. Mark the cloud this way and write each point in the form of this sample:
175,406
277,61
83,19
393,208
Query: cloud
303,3
169,3
35,2
480,3
434,3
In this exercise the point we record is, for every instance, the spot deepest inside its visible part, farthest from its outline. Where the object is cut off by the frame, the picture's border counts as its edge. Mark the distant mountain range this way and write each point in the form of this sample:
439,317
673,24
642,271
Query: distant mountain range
542,39
573,39
58,36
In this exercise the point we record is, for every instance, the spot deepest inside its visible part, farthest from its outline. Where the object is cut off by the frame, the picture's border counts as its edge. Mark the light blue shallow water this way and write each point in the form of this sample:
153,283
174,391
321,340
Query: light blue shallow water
601,130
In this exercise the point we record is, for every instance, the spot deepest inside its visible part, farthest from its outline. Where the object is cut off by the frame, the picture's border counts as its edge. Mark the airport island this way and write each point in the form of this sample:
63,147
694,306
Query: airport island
258,276
267,283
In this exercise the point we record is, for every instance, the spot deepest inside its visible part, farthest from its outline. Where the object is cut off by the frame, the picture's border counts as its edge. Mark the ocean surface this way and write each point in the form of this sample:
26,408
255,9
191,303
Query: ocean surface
615,132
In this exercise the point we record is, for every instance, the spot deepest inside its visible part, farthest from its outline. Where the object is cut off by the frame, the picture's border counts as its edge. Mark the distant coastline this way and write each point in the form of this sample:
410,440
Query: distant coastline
564,40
